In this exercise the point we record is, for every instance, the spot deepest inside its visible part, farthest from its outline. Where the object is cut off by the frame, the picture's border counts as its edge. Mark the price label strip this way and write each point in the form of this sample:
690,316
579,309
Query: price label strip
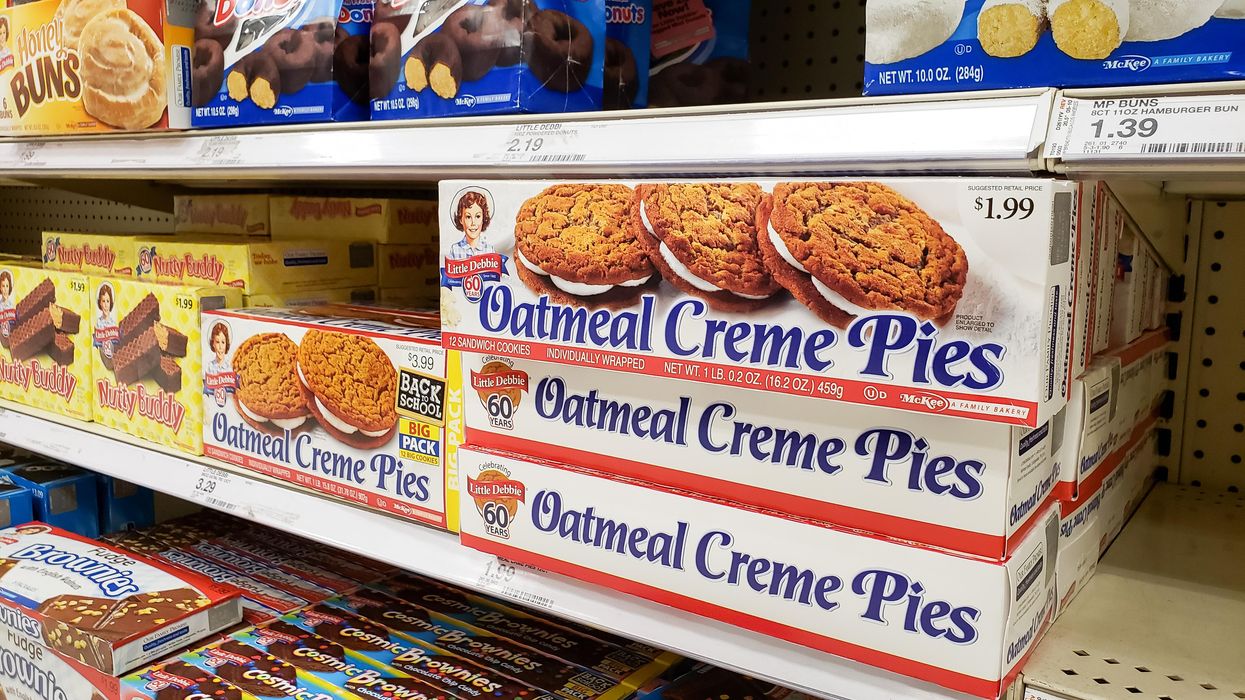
213,488
540,143
511,580
219,150
1201,126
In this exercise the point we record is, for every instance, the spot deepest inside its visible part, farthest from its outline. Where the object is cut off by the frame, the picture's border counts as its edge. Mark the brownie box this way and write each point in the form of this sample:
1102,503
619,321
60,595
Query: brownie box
362,409
943,481
34,671
968,313
177,680
104,607
386,221
916,47
262,675
961,622
443,62
63,495
141,331
273,64
68,77
45,358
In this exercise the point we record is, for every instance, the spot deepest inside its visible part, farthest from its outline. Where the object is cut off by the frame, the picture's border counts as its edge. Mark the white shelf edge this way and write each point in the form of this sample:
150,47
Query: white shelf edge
438,554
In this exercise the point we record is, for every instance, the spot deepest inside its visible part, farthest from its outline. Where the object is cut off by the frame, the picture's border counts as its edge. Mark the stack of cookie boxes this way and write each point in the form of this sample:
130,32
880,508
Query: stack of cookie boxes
832,412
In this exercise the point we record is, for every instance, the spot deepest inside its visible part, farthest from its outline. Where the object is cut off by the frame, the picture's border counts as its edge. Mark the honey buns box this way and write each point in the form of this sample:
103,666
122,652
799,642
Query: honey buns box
45,334
61,71
938,296
356,406
104,608
146,357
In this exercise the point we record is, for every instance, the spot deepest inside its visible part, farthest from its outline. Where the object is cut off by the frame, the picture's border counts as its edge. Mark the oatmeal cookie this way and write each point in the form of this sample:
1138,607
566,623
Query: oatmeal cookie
353,385
703,239
574,243
270,396
850,248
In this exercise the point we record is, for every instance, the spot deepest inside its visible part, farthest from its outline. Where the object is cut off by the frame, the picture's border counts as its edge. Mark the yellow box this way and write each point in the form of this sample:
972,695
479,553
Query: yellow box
226,214
91,253
257,267
133,391
408,265
45,331
102,67
358,295
354,218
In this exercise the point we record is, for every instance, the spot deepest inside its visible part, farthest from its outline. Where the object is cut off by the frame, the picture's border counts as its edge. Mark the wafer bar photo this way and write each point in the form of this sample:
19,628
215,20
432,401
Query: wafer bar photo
137,358
168,374
140,317
31,335
65,320
172,342
36,299
61,350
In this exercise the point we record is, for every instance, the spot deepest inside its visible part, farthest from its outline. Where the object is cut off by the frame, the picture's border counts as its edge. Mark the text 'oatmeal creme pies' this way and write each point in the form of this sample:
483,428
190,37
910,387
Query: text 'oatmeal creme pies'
353,386
574,245
848,249
703,239
270,395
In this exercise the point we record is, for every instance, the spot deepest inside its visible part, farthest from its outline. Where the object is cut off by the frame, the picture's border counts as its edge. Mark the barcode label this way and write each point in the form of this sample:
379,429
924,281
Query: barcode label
219,504
558,157
1205,147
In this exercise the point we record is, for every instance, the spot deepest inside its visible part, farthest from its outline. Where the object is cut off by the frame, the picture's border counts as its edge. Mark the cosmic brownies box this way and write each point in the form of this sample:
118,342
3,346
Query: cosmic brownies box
946,296
79,66
45,332
280,63
436,59
145,357
362,409
106,608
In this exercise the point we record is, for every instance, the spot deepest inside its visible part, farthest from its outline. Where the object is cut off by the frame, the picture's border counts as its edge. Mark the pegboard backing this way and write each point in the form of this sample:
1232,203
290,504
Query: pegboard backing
806,50
26,212
1213,449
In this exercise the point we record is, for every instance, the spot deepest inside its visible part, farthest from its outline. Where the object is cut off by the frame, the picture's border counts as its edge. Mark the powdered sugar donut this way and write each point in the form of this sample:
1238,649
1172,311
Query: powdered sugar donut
1153,20
1009,28
1088,29
902,29
1232,9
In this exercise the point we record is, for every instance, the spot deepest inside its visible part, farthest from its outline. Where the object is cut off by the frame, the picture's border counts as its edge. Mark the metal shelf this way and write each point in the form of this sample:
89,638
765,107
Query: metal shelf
991,132
1163,616
438,554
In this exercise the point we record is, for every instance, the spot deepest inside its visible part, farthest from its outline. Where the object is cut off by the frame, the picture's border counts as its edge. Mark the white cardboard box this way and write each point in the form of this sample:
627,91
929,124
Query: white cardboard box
943,481
1002,356
962,622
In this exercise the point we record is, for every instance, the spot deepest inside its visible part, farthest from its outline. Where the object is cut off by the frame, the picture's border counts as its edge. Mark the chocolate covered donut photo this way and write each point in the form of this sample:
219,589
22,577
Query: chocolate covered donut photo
622,82
437,63
350,65
207,71
513,15
321,34
558,50
207,28
384,57
295,57
478,32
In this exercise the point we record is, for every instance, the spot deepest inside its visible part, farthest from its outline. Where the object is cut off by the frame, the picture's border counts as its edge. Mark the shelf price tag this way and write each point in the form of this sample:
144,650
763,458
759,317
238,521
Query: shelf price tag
551,142
1201,126
28,154
512,580
219,150
210,486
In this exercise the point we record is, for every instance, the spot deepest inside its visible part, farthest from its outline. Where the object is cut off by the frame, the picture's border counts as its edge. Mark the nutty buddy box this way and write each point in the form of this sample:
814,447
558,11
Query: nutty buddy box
95,254
108,609
258,266
351,406
145,358
947,296
45,332
961,622
932,479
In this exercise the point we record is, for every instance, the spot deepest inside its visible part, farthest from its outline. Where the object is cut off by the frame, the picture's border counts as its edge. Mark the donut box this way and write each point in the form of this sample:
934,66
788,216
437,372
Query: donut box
936,480
45,339
351,406
103,607
968,315
145,358
915,46
263,63
63,76
443,58
965,623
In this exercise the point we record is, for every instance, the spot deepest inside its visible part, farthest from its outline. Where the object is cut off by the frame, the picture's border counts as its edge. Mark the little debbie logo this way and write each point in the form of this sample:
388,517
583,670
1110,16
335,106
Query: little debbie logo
497,498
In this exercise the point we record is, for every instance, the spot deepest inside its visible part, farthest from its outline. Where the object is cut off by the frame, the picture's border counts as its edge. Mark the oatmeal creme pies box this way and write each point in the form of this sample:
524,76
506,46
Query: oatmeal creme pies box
962,622
62,73
351,406
103,607
388,221
264,63
916,46
256,266
932,479
90,253
145,357
968,311
45,339
225,214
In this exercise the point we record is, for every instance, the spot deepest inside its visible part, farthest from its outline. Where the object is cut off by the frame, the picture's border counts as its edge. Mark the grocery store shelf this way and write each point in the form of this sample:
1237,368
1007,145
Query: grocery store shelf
438,554
1163,616
999,132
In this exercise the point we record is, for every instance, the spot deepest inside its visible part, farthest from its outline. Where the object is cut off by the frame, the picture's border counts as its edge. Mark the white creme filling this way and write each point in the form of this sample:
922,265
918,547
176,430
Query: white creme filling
681,270
282,423
333,420
577,288
830,295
